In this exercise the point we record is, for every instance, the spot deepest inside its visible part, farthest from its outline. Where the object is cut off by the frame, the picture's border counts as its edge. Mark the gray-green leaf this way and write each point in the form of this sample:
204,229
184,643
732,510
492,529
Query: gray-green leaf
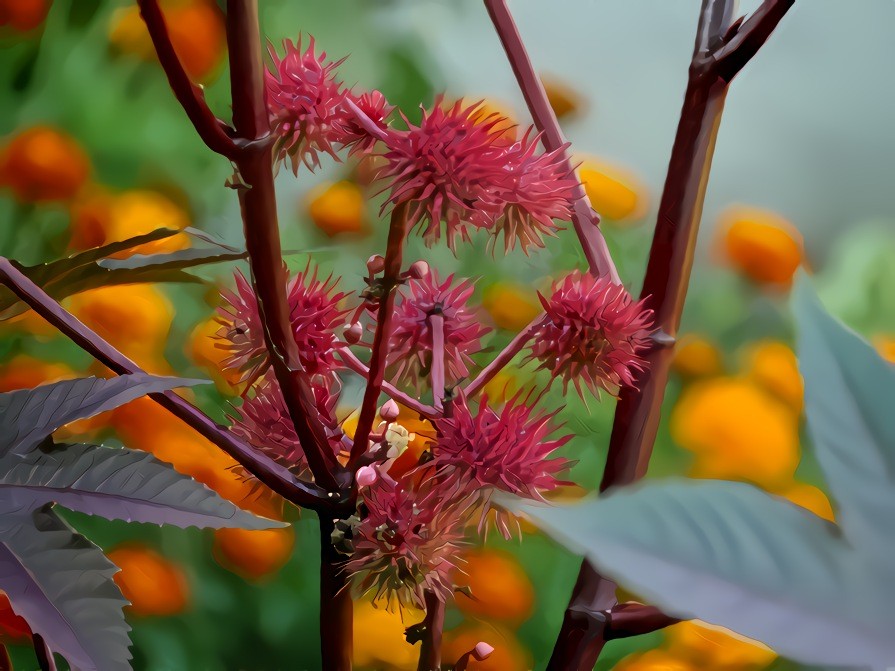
62,585
116,483
28,416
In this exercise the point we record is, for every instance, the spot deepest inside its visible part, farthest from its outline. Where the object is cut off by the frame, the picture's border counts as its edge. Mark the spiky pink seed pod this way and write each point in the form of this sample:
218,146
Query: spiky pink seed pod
366,476
410,342
353,333
376,109
594,334
305,103
389,411
315,315
418,270
482,651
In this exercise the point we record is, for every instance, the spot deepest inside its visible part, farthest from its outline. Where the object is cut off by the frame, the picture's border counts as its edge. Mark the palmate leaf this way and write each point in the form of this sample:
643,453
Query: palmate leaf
94,267
850,406
62,585
118,484
28,416
735,556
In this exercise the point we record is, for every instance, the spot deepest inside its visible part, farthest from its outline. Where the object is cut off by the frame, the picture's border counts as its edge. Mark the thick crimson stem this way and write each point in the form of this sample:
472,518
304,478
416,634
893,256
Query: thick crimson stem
584,630
5,661
257,200
336,608
506,355
391,277
358,366
433,625
190,96
272,474
436,323
584,219
635,619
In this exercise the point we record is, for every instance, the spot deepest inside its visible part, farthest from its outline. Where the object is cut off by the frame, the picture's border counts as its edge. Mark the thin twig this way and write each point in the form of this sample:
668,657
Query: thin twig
587,622
190,96
358,366
433,624
584,219
391,276
272,474
257,199
506,355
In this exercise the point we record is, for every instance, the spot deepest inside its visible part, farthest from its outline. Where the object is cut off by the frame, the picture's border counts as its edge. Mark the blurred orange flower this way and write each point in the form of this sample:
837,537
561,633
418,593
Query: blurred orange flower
508,655
697,356
253,554
43,164
563,98
511,306
196,28
736,430
709,647
204,350
379,637
338,208
614,192
808,497
499,588
24,371
761,244
655,660
23,15
153,584
885,345
773,365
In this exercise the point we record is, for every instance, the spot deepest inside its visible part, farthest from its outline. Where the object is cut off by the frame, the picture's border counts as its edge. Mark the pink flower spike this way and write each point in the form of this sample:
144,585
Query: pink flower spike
366,476
389,411
595,334
482,651
411,338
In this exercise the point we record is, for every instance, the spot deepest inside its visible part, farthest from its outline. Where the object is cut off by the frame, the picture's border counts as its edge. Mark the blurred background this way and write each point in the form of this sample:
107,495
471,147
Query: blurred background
94,149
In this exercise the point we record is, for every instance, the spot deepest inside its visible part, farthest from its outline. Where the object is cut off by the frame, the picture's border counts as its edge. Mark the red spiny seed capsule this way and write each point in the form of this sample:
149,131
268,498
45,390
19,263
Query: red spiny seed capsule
418,270
375,264
411,342
389,411
353,333
594,335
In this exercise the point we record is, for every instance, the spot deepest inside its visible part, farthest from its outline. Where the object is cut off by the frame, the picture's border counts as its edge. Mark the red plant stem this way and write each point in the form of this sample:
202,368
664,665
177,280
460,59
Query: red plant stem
190,96
436,323
506,355
336,608
586,625
430,646
391,277
257,200
272,474
358,366
634,619
5,661
45,659
584,219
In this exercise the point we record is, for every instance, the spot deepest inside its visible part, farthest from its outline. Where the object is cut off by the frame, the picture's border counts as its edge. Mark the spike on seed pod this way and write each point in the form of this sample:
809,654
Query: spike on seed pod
376,264
389,411
353,333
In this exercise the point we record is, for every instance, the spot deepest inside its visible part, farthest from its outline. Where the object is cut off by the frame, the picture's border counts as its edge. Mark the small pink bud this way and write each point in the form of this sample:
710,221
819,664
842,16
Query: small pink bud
389,411
366,476
418,270
353,333
375,264
482,651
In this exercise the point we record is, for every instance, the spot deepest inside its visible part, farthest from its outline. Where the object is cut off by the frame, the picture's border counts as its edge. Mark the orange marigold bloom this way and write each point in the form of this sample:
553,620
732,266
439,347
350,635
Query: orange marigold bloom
655,660
43,164
773,365
253,554
736,430
696,356
379,641
499,589
511,306
338,208
709,647
761,244
615,192
154,585
24,371
508,655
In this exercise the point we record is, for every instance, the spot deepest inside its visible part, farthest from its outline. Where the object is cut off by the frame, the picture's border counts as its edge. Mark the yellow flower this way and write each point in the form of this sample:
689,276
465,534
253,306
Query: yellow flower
761,244
565,100
508,655
499,588
203,348
710,647
502,386
153,584
654,660
338,208
774,366
885,345
43,164
616,193
736,430
511,307
697,356
253,553
25,372
808,497
379,637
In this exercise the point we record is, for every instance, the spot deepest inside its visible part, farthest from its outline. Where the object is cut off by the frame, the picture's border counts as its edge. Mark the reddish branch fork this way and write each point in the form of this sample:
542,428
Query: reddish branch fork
723,47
